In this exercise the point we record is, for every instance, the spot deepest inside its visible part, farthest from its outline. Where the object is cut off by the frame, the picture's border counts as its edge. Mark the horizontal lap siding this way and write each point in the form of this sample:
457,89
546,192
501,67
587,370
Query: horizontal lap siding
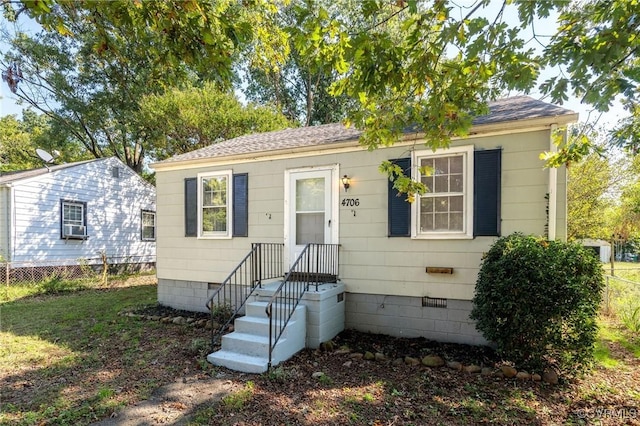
113,214
371,262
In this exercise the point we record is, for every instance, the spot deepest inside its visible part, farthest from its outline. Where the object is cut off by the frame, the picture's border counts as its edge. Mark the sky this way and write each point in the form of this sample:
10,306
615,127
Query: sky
8,104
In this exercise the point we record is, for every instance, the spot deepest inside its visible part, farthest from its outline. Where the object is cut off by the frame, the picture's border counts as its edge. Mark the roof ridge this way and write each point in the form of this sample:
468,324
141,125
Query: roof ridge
514,108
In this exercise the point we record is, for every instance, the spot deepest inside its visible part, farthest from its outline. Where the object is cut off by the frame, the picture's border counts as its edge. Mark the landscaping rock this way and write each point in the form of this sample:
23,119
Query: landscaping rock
550,377
347,364
433,361
523,375
380,356
398,361
327,346
369,356
508,371
357,355
411,361
473,369
179,320
455,365
486,371
536,377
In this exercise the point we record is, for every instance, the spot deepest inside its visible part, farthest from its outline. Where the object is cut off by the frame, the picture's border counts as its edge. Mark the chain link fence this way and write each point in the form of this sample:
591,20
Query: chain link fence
33,272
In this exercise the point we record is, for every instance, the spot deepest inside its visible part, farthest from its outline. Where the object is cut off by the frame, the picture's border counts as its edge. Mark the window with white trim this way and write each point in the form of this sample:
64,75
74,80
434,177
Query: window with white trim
214,204
445,210
148,231
73,218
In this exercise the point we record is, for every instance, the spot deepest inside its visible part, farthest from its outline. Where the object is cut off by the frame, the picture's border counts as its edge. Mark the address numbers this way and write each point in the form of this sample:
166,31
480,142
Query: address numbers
351,202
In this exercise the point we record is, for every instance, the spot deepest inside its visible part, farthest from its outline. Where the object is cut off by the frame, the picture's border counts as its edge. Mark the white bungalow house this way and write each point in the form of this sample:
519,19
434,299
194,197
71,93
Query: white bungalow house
74,213
385,265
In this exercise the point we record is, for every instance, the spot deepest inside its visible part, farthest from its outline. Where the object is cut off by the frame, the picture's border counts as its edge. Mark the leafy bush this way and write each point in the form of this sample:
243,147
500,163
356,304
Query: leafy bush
537,301
56,284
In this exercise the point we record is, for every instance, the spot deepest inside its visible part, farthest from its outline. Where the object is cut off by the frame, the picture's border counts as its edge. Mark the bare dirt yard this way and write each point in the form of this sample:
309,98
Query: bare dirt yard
78,358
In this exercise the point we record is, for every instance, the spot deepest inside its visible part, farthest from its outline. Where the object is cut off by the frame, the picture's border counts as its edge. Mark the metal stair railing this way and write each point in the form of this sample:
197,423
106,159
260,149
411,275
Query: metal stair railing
263,262
317,263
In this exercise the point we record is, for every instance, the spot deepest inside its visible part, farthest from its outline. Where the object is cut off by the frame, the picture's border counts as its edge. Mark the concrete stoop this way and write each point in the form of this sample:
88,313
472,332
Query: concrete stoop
246,349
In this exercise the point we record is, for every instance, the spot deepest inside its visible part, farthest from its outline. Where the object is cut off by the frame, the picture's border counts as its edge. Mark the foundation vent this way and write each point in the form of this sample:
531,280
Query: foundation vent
434,302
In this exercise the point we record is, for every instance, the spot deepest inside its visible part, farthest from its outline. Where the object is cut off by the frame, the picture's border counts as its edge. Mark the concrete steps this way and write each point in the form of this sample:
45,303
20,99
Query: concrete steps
247,348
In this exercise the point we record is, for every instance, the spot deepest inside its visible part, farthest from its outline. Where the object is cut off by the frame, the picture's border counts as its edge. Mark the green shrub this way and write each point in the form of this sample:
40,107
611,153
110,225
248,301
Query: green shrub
56,284
538,300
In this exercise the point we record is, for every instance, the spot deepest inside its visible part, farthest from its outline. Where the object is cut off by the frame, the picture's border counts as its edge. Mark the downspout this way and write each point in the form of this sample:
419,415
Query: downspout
553,189
8,231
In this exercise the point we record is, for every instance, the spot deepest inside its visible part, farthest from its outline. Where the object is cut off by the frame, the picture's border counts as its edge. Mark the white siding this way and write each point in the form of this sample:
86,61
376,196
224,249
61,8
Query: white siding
371,262
113,214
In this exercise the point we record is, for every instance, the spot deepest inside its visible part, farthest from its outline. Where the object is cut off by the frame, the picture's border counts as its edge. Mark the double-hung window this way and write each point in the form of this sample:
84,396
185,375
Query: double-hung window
445,210
214,204
73,218
148,231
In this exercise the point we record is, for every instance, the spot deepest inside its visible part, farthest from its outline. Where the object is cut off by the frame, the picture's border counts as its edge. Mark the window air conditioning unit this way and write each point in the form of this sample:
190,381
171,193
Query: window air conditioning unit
74,231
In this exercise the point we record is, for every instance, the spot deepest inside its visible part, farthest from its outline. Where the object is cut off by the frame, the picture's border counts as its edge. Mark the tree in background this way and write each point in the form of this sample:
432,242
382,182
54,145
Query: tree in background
195,117
625,218
434,65
17,150
588,198
299,87
19,139
89,71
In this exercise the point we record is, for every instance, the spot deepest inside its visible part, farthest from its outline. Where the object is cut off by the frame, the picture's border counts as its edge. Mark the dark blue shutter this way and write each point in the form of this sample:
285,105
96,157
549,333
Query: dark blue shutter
487,166
190,207
240,205
399,215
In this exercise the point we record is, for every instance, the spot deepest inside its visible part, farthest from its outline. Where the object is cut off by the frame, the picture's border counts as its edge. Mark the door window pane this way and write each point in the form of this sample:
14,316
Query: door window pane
310,195
309,228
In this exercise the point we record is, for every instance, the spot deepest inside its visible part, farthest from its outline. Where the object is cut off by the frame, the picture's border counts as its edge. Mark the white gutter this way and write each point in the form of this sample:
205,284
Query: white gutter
553,187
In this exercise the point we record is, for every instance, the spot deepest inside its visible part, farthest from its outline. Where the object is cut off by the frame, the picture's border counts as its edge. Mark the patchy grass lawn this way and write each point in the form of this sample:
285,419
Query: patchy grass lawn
71,359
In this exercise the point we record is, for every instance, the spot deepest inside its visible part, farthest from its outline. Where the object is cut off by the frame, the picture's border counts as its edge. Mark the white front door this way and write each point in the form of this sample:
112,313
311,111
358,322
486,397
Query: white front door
310,209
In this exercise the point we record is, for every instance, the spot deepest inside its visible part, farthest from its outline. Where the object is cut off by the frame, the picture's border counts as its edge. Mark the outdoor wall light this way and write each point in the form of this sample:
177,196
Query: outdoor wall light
346,182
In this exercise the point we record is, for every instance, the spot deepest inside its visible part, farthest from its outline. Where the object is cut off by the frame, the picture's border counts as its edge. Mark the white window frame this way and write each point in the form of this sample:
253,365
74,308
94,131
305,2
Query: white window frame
69,222
467,231
228,174
142,225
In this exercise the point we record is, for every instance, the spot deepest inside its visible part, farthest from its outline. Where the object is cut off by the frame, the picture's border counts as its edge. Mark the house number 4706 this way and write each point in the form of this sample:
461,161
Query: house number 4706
351,202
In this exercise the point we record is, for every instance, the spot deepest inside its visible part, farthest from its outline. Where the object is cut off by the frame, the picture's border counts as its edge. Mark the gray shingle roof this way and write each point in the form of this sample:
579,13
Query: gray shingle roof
501,111
10,177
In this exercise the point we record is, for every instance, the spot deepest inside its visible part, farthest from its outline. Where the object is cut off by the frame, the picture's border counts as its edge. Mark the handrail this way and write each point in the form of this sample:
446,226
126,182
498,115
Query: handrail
263,262
317,263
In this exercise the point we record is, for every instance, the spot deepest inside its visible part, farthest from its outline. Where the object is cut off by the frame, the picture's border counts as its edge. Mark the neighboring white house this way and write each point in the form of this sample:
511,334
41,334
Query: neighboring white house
407,269
65,214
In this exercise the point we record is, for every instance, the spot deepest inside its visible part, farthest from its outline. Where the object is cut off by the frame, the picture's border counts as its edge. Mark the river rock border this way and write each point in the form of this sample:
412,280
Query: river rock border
429,361
436,361
204,323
